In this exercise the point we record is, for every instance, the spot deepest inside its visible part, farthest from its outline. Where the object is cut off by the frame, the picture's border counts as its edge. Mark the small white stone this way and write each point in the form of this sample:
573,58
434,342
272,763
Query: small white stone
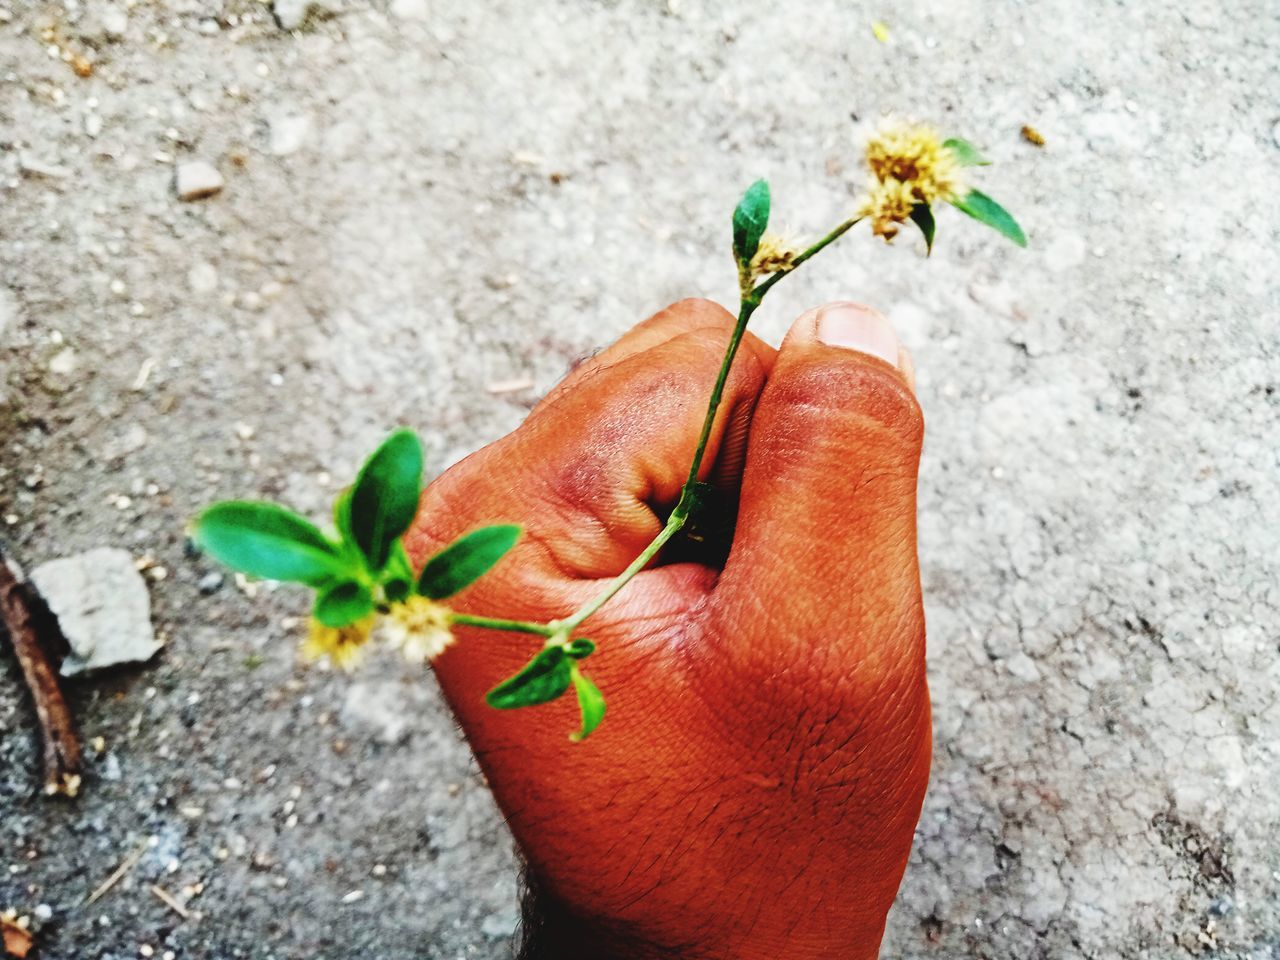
410,9
115,22
102,606
290,13
288,133
92,125
34,167
203,277
63,363
196,180
353,896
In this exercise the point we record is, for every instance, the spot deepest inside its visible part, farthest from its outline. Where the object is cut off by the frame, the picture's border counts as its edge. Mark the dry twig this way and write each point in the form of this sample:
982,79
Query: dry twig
21,617
170,901
127,864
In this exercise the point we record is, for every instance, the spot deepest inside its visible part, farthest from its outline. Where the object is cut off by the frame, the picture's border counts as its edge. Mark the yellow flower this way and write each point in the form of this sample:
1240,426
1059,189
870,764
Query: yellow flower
418,628
909,166
343,646
774,255
887,204
914,154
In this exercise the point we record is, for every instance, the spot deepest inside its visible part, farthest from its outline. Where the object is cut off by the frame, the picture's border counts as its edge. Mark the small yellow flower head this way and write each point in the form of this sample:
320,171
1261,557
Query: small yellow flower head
342,646
418,628
774,255
887,204
909,166
914,154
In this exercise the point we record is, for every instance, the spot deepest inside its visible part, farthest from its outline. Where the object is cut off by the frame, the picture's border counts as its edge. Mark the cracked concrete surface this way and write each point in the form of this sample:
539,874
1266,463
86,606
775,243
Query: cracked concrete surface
423,198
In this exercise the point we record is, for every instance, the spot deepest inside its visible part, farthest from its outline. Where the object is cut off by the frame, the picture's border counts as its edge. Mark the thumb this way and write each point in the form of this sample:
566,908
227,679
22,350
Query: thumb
827,523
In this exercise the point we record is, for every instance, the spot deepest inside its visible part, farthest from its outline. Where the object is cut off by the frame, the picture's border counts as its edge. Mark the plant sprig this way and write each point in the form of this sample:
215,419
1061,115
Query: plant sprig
361,572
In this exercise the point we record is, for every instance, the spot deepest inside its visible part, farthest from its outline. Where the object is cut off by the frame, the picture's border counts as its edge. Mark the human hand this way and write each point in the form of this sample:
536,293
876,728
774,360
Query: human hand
754,789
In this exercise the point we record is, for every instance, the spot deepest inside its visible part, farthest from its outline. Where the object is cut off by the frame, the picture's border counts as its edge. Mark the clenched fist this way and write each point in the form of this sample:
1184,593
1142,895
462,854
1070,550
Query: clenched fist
755,786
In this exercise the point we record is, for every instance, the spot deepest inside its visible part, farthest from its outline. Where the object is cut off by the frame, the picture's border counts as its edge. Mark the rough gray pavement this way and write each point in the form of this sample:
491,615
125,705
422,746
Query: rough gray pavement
422,198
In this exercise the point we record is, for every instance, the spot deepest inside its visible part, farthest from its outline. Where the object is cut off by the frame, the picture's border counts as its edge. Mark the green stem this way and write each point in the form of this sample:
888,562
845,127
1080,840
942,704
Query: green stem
679,516
817,248
569,624
497,623
747,307
685,504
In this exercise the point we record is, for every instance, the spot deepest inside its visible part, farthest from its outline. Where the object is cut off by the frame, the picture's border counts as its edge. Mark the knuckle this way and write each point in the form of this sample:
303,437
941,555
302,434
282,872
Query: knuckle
699,311
703,350
820,399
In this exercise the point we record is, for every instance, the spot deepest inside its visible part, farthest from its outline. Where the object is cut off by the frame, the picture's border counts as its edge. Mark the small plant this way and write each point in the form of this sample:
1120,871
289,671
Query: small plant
363,580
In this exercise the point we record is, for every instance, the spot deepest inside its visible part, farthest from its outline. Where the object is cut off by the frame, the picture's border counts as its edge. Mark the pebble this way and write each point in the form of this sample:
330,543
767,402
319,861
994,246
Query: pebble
63,363
211,582
43,912
115,22
102,606
203,278
196,179
291,14
38,168
92,125
288,133
410,9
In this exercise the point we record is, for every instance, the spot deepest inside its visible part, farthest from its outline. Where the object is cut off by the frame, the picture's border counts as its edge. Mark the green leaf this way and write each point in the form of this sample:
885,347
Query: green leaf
397,578
342,515
922,217
985,210
465,560
590,704
384,499
966,154
343,603
266,540
580,648
750,218
544,678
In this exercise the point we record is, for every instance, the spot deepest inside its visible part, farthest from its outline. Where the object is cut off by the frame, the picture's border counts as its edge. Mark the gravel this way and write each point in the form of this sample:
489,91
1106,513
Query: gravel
490,191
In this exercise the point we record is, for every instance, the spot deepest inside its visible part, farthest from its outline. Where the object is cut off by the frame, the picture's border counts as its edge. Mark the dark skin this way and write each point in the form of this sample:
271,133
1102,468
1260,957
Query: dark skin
754,789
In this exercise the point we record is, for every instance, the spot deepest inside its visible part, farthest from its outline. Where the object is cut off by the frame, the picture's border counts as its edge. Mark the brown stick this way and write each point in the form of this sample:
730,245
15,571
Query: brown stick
57,730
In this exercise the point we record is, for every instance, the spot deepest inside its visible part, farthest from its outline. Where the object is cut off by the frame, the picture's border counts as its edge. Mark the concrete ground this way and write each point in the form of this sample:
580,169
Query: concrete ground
425,198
